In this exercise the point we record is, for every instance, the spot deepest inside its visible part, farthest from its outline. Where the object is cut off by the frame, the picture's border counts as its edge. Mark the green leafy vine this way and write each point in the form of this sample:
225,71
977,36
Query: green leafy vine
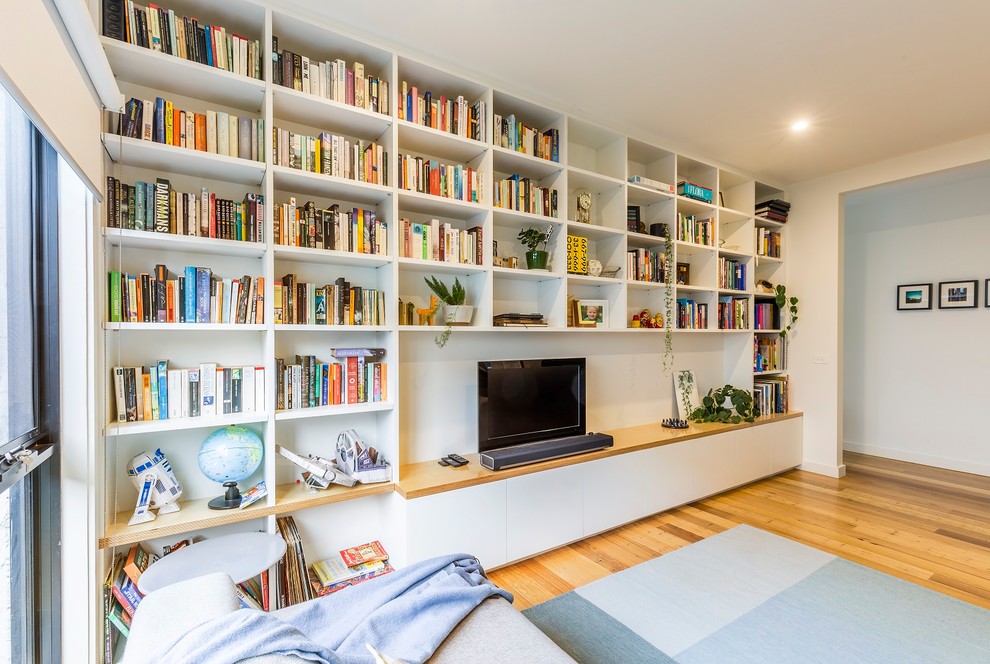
713,407
668,302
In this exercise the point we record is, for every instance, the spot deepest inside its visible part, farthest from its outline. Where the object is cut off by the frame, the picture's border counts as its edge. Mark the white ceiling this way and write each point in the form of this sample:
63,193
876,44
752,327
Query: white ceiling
720,79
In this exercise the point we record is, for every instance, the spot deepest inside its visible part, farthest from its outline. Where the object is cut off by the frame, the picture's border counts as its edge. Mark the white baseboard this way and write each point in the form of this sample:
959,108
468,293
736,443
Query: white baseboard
925,459
823,469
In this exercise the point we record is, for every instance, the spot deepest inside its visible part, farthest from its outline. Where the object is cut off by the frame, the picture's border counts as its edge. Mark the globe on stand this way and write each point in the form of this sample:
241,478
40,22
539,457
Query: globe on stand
230,455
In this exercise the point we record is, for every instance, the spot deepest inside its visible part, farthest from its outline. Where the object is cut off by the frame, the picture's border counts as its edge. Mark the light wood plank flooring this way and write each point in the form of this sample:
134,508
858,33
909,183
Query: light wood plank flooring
926,525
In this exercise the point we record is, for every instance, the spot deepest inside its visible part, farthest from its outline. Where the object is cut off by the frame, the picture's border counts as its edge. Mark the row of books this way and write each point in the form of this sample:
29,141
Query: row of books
645,265
165,31
330,154
698,231
731,274
195,296
308,383
769,353
356,230
144,394
349,567
430,176
691,315
454,116
524,195
157,207
766,316
775,210
217,132
768,243
329,79
733,313
121,595
435,241
339,303
771,395
512,134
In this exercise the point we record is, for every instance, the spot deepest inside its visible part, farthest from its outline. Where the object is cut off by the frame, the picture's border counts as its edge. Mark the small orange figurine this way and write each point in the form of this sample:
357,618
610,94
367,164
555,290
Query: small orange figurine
426,315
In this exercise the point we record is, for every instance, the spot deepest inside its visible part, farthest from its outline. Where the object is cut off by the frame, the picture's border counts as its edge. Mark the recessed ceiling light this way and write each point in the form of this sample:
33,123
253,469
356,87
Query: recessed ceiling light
800,125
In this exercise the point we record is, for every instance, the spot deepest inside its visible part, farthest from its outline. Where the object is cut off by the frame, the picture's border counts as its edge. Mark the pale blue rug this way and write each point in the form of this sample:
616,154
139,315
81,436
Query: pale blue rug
746,595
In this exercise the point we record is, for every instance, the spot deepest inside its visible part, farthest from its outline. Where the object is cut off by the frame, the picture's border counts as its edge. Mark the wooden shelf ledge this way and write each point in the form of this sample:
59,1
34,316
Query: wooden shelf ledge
427,478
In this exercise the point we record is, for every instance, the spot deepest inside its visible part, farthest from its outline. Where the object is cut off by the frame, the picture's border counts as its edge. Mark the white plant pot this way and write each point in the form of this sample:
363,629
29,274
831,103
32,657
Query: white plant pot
458,315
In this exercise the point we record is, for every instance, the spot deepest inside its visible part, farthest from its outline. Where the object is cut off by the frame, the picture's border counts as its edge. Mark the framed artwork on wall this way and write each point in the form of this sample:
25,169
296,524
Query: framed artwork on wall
914,296
957,294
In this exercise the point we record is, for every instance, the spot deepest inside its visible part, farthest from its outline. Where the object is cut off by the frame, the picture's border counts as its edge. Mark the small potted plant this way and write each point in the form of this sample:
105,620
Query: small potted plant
536,259
455,312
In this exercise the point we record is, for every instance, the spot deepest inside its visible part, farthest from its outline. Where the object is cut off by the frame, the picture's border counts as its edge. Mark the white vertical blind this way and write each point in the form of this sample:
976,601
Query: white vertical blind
39,70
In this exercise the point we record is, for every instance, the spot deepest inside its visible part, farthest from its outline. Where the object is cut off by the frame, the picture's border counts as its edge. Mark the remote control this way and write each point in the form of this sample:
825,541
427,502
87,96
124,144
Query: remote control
457,457
455,462
444,462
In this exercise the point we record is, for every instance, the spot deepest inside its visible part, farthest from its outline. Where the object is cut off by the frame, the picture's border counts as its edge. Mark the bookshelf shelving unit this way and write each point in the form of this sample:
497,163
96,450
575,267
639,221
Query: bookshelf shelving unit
592,159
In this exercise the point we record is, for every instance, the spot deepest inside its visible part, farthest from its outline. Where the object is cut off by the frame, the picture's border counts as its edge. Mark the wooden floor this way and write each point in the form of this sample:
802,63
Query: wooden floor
926,525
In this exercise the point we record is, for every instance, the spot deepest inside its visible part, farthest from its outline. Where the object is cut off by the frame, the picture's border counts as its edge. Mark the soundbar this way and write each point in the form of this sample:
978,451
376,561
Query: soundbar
544,450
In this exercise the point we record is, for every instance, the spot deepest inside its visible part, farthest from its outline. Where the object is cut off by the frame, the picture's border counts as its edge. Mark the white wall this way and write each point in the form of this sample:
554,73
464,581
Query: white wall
815,244
626,383
913,380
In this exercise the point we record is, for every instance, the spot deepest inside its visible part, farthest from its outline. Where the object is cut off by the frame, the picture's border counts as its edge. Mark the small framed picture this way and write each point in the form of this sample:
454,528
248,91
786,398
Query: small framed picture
957,294
986,293
683,274
914,296
592,313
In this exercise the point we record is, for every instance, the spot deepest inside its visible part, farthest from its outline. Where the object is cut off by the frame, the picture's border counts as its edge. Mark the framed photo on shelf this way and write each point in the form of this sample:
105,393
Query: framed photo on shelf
914,296
683,274
592,313
957,294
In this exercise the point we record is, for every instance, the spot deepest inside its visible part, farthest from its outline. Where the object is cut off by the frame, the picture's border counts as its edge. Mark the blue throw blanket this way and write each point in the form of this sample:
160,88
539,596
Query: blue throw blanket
405,615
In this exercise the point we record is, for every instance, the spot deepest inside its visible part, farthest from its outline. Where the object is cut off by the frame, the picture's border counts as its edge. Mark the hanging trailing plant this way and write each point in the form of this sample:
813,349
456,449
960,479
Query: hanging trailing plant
453,297
788,305
668,301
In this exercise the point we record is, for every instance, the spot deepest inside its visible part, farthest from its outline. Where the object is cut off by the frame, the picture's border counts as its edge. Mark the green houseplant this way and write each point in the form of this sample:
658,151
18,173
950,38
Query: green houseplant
713,408
788,305
455,312
532,238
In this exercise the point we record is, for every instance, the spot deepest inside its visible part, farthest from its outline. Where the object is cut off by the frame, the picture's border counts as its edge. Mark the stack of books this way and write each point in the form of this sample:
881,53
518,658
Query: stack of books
349,567
518,320
774,210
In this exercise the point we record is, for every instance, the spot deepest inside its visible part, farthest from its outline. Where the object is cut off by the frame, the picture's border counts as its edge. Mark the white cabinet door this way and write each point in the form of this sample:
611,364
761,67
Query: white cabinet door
717,457
544,511
470,520
613,491
670,476
786,447
752,455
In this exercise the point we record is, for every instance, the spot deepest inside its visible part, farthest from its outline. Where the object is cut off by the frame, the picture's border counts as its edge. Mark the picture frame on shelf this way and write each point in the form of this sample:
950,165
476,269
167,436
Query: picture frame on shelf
592,313
912,297
958,294
683,274
686,393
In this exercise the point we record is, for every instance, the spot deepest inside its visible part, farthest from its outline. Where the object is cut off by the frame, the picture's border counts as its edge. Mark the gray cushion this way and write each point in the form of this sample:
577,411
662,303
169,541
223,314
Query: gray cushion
496,632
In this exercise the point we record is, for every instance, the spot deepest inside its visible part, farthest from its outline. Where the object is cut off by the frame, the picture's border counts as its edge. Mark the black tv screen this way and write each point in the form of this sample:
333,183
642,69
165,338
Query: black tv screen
522,401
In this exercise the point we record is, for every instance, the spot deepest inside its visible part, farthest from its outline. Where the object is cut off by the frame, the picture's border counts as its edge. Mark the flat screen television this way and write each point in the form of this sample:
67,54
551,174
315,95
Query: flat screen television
524,401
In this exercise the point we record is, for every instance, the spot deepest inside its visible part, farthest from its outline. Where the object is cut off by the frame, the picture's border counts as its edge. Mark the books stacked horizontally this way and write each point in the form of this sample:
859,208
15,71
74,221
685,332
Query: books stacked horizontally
518,320
774,210
349,567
